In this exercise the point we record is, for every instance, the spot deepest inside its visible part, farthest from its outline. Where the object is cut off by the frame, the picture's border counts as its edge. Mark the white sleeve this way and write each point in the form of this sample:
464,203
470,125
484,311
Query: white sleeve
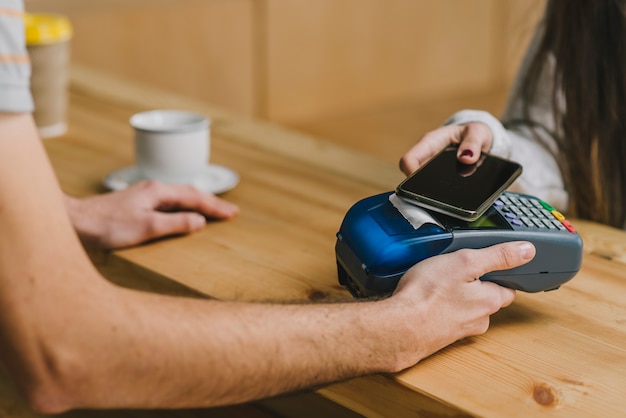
501,143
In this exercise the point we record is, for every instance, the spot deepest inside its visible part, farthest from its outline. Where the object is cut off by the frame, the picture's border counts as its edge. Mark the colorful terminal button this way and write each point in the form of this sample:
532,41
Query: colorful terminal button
558,216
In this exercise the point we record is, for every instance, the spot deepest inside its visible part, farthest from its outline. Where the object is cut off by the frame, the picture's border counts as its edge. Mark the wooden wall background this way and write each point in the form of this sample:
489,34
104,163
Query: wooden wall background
363,72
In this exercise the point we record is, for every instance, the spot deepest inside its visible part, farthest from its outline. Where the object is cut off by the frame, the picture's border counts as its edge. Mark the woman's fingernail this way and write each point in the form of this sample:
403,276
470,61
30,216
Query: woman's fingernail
467,153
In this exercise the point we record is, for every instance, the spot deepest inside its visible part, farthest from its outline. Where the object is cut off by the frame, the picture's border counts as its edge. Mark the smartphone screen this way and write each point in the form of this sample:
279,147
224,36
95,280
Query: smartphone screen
464,191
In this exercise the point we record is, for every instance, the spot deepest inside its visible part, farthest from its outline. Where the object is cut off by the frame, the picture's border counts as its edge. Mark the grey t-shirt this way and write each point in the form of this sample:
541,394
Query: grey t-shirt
15,93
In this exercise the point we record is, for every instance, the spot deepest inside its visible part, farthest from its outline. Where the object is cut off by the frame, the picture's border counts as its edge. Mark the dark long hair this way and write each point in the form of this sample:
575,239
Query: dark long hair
587,39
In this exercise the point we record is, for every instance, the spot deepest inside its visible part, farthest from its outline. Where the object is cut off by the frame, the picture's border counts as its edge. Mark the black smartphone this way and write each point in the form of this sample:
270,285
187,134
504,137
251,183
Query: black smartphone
463,191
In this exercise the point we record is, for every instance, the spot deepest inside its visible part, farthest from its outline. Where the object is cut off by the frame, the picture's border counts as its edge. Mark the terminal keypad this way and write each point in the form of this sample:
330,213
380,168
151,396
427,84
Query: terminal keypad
530,212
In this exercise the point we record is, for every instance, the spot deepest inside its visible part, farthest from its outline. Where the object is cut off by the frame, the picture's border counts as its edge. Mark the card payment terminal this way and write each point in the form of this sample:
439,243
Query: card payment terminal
380,239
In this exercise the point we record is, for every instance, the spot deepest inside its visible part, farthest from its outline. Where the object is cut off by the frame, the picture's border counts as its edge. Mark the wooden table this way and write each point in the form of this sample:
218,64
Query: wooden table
560,353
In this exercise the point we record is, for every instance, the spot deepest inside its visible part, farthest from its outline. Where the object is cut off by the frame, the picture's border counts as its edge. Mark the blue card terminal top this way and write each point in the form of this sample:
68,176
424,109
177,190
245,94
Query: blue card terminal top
377,243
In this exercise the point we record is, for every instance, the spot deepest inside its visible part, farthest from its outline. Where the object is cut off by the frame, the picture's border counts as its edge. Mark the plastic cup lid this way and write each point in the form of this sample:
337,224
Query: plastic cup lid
46,28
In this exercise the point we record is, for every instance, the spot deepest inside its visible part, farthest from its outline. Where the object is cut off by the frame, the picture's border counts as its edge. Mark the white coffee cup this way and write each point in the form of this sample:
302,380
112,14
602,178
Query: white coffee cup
172,146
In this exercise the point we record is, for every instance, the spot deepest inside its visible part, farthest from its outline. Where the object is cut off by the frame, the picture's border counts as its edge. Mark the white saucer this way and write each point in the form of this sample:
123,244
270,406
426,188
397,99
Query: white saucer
216,179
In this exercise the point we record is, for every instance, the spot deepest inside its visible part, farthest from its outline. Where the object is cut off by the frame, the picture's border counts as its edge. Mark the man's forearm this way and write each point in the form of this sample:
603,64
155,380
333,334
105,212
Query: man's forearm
151,351
71,339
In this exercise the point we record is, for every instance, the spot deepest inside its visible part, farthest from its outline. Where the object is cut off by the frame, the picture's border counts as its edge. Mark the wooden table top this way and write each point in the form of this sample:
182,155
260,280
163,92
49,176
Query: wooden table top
559,353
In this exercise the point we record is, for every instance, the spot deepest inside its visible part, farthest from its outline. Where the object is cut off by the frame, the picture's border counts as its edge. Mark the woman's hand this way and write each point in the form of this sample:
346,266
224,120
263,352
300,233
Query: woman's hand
145,211
473,138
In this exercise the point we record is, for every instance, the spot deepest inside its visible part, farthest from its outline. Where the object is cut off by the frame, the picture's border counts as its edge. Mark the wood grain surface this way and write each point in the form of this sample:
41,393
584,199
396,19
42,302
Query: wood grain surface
557,354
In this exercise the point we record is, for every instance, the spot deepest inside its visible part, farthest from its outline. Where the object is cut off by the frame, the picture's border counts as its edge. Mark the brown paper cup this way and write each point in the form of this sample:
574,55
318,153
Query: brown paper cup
48,43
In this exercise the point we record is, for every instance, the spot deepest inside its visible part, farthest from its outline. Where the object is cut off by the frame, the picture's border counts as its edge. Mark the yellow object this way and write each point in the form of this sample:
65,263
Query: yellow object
46,28
558,215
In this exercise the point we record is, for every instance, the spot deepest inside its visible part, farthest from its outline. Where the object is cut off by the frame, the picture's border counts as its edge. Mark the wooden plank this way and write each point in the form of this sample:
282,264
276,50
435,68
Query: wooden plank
202,49
388,132
381,397
555,354
126,96
328,58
